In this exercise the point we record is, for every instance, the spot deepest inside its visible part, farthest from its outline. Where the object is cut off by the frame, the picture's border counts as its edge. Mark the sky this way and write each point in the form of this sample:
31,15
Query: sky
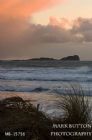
45,28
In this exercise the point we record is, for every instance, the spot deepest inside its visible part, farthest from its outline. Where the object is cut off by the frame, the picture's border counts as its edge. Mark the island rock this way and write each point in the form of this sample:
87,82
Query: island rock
71,58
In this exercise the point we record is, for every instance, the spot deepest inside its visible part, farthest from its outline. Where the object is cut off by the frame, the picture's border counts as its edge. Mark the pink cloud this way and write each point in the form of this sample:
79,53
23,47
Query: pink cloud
62,22
25,8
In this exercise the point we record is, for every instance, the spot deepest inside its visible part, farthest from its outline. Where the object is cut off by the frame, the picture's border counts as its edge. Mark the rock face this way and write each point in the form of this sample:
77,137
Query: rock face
43,59
71,58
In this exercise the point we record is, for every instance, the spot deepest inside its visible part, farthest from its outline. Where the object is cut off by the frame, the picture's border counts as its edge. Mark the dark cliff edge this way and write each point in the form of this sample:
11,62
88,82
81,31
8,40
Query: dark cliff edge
43,59
44,62
71,58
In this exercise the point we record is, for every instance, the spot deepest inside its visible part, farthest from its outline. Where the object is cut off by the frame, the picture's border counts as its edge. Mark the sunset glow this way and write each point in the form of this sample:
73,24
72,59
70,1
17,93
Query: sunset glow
35,28
22,8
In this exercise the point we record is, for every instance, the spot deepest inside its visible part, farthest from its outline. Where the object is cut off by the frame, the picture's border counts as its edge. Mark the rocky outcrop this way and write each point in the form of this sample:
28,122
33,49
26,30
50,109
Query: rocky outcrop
71,58
43,59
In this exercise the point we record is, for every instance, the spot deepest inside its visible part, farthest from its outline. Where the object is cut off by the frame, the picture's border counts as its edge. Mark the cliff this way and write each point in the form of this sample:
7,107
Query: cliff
71,58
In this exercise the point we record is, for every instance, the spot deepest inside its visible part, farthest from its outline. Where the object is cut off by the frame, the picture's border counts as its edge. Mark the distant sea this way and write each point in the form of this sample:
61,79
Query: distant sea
44,83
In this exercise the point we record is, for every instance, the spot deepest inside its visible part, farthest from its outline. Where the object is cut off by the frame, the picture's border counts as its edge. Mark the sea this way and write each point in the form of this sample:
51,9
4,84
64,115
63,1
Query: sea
45,85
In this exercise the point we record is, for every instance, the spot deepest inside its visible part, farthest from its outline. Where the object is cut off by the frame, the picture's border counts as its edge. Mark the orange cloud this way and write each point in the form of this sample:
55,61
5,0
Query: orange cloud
24,8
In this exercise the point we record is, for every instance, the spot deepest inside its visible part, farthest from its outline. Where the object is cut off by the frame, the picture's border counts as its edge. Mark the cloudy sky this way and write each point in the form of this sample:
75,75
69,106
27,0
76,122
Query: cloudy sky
45,28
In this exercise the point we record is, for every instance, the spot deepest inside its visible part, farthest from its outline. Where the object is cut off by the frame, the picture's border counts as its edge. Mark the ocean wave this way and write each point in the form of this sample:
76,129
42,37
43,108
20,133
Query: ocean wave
69,78
84,70
63,89
23,89
33,79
